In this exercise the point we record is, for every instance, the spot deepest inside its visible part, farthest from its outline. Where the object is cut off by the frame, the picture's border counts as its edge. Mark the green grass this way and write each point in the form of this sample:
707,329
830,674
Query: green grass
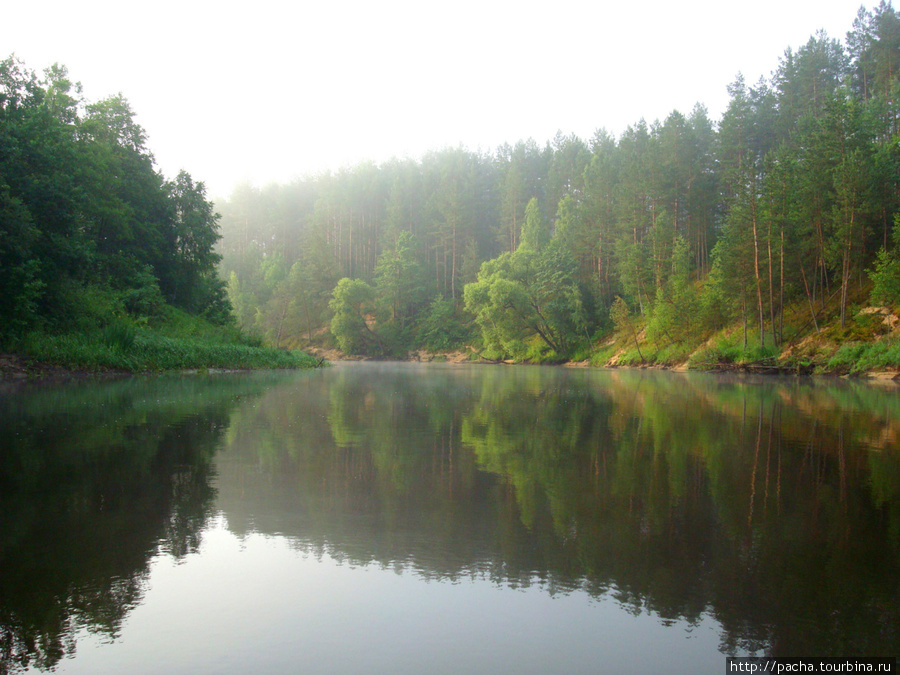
729,350
118,335
177,323
858,357
632,357
675,354
601,355
126,347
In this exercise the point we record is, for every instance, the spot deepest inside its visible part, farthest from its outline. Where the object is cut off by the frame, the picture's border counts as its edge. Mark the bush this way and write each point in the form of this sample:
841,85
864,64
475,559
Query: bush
729,350
673,354
144,298
634,357
601,356
443,328
88,308
539,352
885,278
859,357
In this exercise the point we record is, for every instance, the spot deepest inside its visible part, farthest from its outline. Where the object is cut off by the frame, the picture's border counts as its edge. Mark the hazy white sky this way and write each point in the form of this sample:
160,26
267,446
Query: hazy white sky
267,91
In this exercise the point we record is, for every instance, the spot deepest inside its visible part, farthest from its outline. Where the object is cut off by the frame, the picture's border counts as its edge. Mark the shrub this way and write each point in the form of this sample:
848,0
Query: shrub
144,298
857,357
885,278
443,329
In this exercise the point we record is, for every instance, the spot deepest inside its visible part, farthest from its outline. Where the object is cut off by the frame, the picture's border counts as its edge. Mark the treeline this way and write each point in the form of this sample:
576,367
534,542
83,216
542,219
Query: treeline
89,229
686,223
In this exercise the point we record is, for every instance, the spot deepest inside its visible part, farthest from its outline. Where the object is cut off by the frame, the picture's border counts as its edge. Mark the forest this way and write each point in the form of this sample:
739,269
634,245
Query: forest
106,263
83,206
770,235
777,220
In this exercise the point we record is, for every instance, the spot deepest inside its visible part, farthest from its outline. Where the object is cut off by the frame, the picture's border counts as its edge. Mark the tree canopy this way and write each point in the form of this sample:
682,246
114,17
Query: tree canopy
691,222
89,227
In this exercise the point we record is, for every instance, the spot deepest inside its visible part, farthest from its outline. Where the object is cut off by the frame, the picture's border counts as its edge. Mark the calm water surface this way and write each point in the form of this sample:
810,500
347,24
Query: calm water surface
411,518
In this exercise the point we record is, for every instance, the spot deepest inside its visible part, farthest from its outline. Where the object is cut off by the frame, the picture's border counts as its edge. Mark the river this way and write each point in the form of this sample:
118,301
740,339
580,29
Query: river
412,518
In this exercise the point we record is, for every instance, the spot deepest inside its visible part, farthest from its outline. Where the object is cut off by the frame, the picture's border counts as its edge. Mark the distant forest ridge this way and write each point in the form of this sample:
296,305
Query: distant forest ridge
681,226
668,233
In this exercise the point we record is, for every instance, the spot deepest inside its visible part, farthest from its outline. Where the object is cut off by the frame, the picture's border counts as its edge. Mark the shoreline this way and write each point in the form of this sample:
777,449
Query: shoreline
883,377
17,369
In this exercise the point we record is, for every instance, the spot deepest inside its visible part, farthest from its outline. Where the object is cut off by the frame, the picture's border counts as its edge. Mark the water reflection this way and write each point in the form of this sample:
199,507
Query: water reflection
771,507
770,504
94,480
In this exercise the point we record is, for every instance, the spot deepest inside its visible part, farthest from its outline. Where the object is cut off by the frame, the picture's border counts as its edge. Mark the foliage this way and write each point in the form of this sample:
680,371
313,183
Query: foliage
885,272
728,350
118,335
122,346
398,280
624,323
529,293
143,297
674,316
856,357
352,301
86,221
443,329
694,223
885,276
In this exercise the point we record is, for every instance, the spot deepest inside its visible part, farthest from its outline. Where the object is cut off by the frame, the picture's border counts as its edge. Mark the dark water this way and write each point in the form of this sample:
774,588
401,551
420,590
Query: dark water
409,518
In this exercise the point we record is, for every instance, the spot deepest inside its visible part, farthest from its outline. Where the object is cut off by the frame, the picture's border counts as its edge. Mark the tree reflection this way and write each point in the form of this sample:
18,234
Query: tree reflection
95,480
771,506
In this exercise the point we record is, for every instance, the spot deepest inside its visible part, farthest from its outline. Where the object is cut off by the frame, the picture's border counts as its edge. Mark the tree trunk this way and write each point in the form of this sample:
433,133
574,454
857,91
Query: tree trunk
845,272
759,300
280,324
781,291
809,298
771,285
453,265
744,317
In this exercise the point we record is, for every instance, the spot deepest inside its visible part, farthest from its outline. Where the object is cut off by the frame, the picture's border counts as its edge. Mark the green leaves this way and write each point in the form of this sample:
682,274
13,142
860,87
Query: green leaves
885,274
528,294
535,231
442,330
352,301
83,207
399,280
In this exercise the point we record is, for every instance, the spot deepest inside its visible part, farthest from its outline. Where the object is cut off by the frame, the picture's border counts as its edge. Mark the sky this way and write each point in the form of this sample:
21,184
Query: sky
265,92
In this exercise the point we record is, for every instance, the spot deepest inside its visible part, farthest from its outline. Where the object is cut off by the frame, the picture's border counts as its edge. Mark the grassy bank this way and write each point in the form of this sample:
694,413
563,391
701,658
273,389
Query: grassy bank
808,343
175,342
868,342
146,351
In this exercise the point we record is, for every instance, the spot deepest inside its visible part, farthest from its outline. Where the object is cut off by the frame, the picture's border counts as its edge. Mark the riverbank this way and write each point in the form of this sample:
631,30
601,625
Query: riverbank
819,339
18,368
125,352
867,345
875,360
888,376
